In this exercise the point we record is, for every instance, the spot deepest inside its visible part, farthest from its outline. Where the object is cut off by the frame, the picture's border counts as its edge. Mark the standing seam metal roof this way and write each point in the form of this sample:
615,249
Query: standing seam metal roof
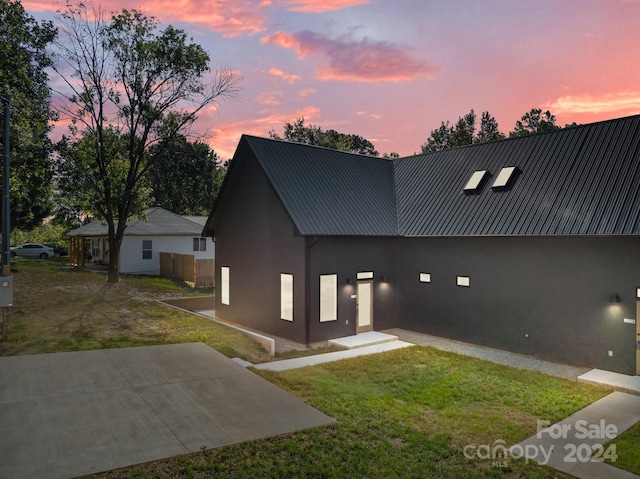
328,191
581,180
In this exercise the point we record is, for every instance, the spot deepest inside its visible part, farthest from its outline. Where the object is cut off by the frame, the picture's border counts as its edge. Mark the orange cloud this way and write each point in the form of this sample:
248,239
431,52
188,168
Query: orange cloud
350,60
226,135
619,103
232,18
279,73
317,6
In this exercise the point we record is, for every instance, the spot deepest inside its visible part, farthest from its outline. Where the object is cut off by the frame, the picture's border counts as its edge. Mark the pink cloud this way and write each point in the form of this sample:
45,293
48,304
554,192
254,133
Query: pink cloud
270,98
350,60
288,77
226,135
619,103
306,92
317,6
232,18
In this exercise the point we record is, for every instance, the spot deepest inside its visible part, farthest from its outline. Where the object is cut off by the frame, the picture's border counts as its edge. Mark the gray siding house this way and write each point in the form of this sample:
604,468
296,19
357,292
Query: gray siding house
528,244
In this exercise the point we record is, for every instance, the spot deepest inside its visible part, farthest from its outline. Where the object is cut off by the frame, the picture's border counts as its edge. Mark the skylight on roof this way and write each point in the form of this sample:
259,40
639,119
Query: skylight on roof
504,177
475,180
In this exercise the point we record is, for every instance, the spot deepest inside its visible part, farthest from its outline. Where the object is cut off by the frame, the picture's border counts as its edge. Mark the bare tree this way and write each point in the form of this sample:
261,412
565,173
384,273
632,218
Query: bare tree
128,80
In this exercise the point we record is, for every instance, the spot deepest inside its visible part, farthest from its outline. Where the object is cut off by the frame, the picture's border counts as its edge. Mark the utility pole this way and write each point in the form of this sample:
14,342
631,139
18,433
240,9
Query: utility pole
6,281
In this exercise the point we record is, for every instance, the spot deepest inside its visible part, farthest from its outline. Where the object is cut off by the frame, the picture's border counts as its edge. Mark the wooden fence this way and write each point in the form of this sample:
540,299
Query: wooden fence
186,268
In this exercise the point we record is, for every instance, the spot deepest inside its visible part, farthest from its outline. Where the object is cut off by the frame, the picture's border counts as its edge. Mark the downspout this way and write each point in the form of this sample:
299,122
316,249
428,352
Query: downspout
309,242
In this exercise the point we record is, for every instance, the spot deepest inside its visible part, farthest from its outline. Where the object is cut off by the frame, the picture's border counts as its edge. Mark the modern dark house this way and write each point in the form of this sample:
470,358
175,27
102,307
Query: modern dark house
529,244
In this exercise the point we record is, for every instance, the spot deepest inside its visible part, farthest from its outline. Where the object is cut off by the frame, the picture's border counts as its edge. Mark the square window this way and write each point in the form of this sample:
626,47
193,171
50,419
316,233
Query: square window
199,244
463,281
425,277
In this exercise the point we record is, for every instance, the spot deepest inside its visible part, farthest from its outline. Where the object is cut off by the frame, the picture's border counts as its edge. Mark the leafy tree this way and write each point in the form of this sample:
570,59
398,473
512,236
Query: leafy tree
23,79
185,177
535,121
298,132
131,86
463,133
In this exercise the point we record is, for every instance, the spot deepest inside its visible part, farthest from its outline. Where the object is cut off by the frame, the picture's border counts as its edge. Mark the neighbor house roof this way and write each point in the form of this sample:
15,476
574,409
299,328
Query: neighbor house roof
156,221
582,180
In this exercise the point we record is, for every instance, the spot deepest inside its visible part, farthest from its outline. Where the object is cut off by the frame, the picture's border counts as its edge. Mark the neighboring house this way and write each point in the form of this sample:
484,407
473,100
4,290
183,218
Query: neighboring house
529,244
159,231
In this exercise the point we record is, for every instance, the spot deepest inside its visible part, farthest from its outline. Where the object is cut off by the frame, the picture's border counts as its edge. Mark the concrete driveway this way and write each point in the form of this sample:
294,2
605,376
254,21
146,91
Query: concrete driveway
68,414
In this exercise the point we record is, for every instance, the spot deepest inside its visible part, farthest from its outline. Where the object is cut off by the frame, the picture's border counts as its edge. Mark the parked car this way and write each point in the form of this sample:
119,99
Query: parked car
32,250
58,250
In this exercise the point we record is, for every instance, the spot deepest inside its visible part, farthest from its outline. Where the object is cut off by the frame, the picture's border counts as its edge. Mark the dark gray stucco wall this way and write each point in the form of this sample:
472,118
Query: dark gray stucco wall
346,256
545,296
255,239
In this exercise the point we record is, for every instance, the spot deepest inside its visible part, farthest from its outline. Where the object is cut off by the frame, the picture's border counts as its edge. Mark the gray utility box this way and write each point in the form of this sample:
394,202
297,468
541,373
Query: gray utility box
6,291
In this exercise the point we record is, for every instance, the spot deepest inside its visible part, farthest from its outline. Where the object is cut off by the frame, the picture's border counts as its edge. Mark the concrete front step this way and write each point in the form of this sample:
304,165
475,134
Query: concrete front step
363,339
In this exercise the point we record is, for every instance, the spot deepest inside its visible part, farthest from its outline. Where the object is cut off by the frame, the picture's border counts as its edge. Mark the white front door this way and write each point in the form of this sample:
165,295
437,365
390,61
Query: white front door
364,305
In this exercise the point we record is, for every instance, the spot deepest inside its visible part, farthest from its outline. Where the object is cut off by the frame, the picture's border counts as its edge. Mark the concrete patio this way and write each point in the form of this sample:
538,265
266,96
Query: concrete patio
69,414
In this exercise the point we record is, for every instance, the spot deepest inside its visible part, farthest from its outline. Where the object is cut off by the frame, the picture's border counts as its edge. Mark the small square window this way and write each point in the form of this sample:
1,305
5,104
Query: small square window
199,244
425,277
463,281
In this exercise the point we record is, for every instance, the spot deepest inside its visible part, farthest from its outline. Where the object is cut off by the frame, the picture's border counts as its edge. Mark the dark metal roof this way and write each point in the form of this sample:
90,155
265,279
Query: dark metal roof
575,181
582,180
330,192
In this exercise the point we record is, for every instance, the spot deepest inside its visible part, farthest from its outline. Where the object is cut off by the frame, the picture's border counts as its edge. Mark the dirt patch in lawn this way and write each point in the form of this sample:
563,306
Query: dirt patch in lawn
59,308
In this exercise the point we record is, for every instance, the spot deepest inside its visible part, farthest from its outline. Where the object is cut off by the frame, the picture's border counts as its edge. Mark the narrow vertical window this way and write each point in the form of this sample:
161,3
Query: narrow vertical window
286,296
147,249
224,285
328,297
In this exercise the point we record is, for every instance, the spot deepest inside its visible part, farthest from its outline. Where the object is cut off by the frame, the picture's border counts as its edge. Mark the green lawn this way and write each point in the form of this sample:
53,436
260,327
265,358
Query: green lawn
628,450
407,413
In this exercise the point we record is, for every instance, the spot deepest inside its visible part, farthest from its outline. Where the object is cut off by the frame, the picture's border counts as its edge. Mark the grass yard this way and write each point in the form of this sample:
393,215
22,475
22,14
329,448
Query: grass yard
407,414
628,450
59,308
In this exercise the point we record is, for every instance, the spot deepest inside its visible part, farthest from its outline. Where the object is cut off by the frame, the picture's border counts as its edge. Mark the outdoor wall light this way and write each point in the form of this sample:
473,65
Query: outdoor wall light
348,280
383,278
614,299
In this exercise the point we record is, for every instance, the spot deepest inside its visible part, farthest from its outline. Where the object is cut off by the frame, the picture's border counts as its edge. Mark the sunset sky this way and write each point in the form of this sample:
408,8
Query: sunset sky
392,71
